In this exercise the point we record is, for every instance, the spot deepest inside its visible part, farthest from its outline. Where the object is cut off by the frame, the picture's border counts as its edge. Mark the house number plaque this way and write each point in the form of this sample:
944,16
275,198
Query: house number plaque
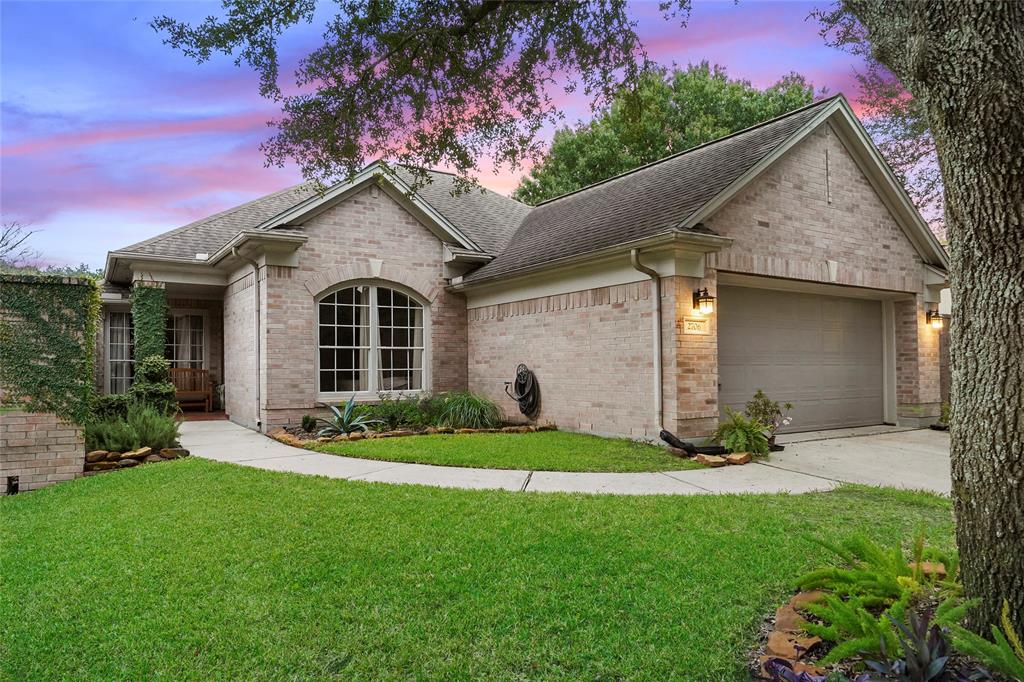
696,325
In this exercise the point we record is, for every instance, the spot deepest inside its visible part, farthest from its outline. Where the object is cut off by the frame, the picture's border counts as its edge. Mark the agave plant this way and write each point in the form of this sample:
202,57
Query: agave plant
343,422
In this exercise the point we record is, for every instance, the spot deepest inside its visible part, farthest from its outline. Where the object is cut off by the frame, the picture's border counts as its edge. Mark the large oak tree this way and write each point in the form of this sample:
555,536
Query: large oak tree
451,81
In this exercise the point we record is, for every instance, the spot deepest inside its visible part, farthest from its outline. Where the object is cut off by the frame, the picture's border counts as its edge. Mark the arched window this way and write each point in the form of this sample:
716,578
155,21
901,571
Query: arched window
370,339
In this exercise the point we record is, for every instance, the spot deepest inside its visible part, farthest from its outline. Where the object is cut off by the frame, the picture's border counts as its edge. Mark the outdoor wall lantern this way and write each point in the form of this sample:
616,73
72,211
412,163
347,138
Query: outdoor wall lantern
935,320
703,302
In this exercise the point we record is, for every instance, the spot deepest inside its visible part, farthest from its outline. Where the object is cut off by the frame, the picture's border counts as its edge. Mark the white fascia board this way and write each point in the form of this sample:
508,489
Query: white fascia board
258,238
375,172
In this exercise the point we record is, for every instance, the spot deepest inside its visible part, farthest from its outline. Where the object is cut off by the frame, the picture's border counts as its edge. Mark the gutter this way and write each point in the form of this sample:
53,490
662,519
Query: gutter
634,257
256,311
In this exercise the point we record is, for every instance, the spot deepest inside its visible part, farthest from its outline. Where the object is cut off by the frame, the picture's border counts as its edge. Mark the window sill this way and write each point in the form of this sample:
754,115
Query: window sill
363,397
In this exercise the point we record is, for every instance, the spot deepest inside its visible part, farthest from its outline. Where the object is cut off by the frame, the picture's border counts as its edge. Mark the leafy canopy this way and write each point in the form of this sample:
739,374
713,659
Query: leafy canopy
669,112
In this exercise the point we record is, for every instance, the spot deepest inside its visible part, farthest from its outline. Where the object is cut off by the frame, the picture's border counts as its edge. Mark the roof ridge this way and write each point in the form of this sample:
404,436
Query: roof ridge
156,239
693,149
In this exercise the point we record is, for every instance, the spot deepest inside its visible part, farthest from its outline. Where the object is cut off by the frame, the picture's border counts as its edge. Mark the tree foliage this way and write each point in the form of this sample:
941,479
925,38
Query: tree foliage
424,82
669,112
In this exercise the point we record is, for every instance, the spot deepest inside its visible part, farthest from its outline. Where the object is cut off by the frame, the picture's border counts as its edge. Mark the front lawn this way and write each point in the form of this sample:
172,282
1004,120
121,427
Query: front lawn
198,570
541,451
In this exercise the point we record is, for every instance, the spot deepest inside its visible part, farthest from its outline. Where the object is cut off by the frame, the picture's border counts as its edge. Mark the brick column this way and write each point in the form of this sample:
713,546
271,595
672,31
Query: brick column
696,361
917,364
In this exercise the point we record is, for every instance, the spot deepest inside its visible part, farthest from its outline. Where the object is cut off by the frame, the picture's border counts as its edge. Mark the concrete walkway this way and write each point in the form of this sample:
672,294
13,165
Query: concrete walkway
227,442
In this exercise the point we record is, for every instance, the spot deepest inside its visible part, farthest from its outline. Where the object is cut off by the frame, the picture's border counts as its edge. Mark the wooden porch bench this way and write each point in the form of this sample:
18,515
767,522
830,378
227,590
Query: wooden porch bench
192,387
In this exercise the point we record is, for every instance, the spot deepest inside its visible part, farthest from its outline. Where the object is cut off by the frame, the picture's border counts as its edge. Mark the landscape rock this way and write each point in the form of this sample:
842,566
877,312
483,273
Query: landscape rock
96,456
149,459
356,435
787,619
738,458
173,453
127,462
547,427
678,452
444,429
798,667
139,454
930,569
113,456
802,599
711,460
400,433
430,430
99,466
467,430
340,438
789,646
517,429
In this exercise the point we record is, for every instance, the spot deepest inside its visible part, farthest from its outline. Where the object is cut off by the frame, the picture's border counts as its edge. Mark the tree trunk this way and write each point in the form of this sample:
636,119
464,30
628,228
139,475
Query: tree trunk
965,63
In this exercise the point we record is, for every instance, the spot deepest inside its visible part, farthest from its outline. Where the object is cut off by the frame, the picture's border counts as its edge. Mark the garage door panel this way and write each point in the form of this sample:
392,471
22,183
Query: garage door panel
821,353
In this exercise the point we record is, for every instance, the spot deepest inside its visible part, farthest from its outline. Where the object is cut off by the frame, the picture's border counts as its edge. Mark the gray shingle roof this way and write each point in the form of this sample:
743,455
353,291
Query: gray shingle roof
641,203
488,218
211,233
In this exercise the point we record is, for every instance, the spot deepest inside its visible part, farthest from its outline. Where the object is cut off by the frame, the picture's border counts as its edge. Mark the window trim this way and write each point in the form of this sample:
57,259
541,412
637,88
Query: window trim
206,331
108,309
371,395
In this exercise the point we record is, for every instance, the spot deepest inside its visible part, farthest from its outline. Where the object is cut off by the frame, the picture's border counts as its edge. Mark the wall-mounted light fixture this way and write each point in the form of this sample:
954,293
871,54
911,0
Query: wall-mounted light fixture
934,318
703,302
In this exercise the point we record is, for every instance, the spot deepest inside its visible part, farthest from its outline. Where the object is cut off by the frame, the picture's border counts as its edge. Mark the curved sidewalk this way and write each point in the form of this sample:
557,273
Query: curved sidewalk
226,441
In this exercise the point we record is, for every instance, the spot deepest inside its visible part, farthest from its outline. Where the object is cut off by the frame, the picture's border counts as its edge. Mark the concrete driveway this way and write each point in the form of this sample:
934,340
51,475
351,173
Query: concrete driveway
882,456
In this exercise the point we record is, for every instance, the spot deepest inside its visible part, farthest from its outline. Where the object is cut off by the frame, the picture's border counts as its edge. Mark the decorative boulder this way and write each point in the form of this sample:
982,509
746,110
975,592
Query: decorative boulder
173,453
738,458
356,435
678,452
99,466
711,460
149,459
127,462
139,454
96,456
113,456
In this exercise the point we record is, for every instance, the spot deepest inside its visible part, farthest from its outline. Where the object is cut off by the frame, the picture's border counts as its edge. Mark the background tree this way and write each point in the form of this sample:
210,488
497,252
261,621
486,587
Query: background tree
446,82
668,112
15,250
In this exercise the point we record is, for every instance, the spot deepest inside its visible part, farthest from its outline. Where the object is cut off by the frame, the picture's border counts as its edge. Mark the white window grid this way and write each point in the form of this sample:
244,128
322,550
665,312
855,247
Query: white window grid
120,351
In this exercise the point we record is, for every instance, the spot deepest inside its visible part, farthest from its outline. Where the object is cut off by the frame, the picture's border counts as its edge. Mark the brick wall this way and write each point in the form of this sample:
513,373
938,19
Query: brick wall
368,236
39,449
783,225
918,394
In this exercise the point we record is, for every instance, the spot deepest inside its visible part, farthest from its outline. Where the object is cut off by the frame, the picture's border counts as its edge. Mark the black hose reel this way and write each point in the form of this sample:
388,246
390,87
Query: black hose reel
525,391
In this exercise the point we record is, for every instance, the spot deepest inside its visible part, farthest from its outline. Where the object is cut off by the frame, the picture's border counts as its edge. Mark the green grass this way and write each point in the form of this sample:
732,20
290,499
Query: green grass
542,451
198,570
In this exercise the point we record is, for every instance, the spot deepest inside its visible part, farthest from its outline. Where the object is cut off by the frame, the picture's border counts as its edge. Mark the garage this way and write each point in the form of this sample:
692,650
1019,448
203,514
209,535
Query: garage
821,353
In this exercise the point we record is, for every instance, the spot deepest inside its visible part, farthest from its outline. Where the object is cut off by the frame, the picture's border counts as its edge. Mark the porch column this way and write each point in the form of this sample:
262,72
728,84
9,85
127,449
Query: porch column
694,370
918,396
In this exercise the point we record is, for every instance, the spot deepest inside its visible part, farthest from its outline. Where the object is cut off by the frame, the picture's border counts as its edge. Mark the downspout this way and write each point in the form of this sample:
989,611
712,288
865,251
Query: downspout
256,310
634,257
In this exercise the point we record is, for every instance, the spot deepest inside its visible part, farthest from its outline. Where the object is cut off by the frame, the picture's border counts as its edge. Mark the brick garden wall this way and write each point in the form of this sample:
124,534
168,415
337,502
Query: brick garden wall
39,449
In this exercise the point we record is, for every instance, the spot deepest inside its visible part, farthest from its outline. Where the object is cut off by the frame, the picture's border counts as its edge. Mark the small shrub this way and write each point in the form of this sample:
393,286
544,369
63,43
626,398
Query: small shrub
113,435
740,434
1004,654
465,410
762,409
153,428
395,412
308,423
114,406
344,421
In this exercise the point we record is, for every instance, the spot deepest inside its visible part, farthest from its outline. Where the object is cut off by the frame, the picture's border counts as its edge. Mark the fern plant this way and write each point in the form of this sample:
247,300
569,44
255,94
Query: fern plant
1005,654
741,434
854,629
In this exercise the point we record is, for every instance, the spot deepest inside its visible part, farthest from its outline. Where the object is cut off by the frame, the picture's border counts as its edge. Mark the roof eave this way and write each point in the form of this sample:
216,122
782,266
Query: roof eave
705,243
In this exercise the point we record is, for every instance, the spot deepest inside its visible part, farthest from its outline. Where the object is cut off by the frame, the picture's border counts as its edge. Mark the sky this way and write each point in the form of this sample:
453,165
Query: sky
108,136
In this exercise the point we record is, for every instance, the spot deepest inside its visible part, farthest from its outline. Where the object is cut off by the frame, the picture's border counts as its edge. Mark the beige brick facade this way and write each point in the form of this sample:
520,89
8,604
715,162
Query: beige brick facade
39,449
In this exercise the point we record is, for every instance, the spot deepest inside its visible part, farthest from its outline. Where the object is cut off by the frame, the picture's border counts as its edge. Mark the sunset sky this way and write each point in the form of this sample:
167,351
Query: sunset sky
108,136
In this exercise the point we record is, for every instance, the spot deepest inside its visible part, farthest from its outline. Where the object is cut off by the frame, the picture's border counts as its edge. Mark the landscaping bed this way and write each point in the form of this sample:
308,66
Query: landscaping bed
222,571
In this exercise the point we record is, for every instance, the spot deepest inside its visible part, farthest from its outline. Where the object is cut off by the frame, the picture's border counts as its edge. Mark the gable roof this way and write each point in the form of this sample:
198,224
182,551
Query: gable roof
486,218
675,193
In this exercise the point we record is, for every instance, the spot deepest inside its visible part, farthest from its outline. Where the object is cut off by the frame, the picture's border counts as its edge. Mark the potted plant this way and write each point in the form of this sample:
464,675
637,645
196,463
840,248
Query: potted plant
763,409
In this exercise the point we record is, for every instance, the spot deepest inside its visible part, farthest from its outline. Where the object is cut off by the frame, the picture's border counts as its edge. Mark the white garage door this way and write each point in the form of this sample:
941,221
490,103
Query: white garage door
821,353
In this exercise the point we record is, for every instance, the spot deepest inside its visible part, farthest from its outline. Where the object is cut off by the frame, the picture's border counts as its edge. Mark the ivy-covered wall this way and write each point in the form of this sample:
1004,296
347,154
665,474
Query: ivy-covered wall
149,318
47,343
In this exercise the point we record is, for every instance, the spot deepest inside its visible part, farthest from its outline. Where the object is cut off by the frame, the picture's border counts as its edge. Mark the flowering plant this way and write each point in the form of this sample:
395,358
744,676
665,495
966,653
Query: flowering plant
770,413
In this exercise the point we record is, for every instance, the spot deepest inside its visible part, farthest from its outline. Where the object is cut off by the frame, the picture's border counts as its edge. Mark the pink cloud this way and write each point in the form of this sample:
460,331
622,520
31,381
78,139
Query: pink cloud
126,131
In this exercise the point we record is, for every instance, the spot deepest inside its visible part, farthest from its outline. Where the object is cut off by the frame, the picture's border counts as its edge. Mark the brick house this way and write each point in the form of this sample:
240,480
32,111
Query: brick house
820,275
